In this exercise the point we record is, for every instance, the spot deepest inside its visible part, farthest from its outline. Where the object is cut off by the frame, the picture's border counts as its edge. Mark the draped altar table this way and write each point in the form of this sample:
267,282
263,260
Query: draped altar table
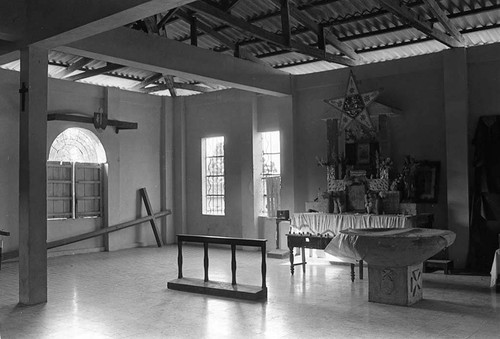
334,223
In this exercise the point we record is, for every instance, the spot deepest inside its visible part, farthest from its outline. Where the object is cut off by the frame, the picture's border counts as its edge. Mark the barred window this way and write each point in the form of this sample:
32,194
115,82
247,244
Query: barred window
213,184
271,173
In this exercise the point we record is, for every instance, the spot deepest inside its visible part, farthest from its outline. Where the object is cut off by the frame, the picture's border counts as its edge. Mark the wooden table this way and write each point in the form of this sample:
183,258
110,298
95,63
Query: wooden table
304,241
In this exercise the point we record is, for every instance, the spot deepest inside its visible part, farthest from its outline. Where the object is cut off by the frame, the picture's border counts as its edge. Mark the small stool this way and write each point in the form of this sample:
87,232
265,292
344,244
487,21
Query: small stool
446,265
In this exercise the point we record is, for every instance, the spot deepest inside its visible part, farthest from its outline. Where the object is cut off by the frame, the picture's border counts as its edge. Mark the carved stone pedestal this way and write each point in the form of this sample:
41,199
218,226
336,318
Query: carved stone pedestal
395,285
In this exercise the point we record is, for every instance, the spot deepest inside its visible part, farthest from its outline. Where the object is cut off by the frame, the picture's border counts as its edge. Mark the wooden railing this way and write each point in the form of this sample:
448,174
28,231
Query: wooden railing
206,286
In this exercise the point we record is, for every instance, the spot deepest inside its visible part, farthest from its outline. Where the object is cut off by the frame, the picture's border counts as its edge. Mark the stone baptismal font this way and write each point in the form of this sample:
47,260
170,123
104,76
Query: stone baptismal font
395,258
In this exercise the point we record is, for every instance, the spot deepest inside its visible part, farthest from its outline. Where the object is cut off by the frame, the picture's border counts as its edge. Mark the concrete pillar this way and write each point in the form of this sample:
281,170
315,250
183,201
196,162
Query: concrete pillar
180,207
456,108
166,167
249,210
32,177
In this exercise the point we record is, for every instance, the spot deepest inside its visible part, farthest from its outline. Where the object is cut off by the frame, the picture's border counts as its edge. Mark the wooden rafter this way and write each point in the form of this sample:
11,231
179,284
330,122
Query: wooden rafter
168,56
193,30
204,27
87,74
117,124
440,15
273,38
167,17
324,36
190,87
82,62
239,52
402,11
169,81
228,4
285,21
148,81
151,25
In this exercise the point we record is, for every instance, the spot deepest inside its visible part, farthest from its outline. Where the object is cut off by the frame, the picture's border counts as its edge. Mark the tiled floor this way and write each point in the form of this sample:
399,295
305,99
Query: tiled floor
123,294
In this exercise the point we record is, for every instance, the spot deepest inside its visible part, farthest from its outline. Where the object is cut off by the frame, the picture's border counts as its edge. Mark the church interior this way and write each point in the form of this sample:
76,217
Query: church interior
346,151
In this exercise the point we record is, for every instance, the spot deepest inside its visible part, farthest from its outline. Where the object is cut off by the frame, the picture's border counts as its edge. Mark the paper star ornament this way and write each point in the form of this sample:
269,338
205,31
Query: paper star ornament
354,105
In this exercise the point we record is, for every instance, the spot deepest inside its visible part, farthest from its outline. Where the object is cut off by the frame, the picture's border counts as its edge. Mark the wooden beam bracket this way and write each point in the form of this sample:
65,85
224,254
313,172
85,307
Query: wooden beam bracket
98,122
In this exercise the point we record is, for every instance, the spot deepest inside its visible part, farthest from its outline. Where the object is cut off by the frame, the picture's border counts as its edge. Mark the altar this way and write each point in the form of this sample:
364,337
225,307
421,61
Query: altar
323,223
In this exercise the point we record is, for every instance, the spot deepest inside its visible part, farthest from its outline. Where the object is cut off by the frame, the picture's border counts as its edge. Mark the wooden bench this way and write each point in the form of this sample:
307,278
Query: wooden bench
445,264
223,289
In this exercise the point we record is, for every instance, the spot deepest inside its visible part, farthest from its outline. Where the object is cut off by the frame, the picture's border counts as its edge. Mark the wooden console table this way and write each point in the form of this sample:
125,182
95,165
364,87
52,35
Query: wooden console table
304,241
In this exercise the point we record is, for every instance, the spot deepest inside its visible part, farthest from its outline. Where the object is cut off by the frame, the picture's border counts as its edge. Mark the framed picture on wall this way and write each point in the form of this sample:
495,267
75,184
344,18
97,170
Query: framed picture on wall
427,181
363,154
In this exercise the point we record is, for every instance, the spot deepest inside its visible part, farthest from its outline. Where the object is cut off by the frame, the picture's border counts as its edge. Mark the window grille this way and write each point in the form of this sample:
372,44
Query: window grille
213,183
271,173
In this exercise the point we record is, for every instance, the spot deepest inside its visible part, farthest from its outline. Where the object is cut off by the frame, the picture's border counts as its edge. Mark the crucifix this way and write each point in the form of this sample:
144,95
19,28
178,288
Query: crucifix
23,91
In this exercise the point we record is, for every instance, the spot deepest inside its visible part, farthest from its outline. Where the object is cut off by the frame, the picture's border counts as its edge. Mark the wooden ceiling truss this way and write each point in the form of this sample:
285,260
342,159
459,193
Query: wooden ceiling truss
330,46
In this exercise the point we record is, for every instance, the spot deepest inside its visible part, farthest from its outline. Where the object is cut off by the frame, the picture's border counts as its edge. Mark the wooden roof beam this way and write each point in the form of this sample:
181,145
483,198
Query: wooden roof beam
190,87
108,68
402,11
167,17
286,28
273,38
148,81
321,32
239,52
228,4
203,26
193,30
441,16
151,25
169,81
156,54
80,63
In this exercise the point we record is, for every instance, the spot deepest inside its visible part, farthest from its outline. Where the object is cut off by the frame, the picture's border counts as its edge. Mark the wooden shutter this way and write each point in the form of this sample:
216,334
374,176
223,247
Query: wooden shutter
59,190
88,192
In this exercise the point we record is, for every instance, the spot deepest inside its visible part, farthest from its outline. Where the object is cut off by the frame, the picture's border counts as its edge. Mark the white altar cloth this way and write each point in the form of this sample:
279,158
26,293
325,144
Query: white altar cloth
323,222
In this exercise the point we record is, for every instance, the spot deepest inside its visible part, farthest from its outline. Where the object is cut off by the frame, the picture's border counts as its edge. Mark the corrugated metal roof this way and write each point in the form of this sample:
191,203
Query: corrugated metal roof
374,33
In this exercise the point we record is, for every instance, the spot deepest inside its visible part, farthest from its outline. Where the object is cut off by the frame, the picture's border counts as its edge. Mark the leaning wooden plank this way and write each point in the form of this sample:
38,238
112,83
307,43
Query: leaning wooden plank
102,231
84,236
149,209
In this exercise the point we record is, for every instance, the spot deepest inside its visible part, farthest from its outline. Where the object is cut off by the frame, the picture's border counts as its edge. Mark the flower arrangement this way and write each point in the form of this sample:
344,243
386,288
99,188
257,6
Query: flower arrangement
368,202
405,181
383,166
337,162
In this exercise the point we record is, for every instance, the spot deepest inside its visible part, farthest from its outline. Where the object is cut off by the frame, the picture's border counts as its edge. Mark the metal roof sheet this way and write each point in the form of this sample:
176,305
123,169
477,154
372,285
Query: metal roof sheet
374,33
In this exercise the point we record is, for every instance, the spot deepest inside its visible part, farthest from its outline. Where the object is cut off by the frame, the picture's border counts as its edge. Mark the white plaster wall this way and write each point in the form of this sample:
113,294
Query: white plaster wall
9,155
133,158
237,115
